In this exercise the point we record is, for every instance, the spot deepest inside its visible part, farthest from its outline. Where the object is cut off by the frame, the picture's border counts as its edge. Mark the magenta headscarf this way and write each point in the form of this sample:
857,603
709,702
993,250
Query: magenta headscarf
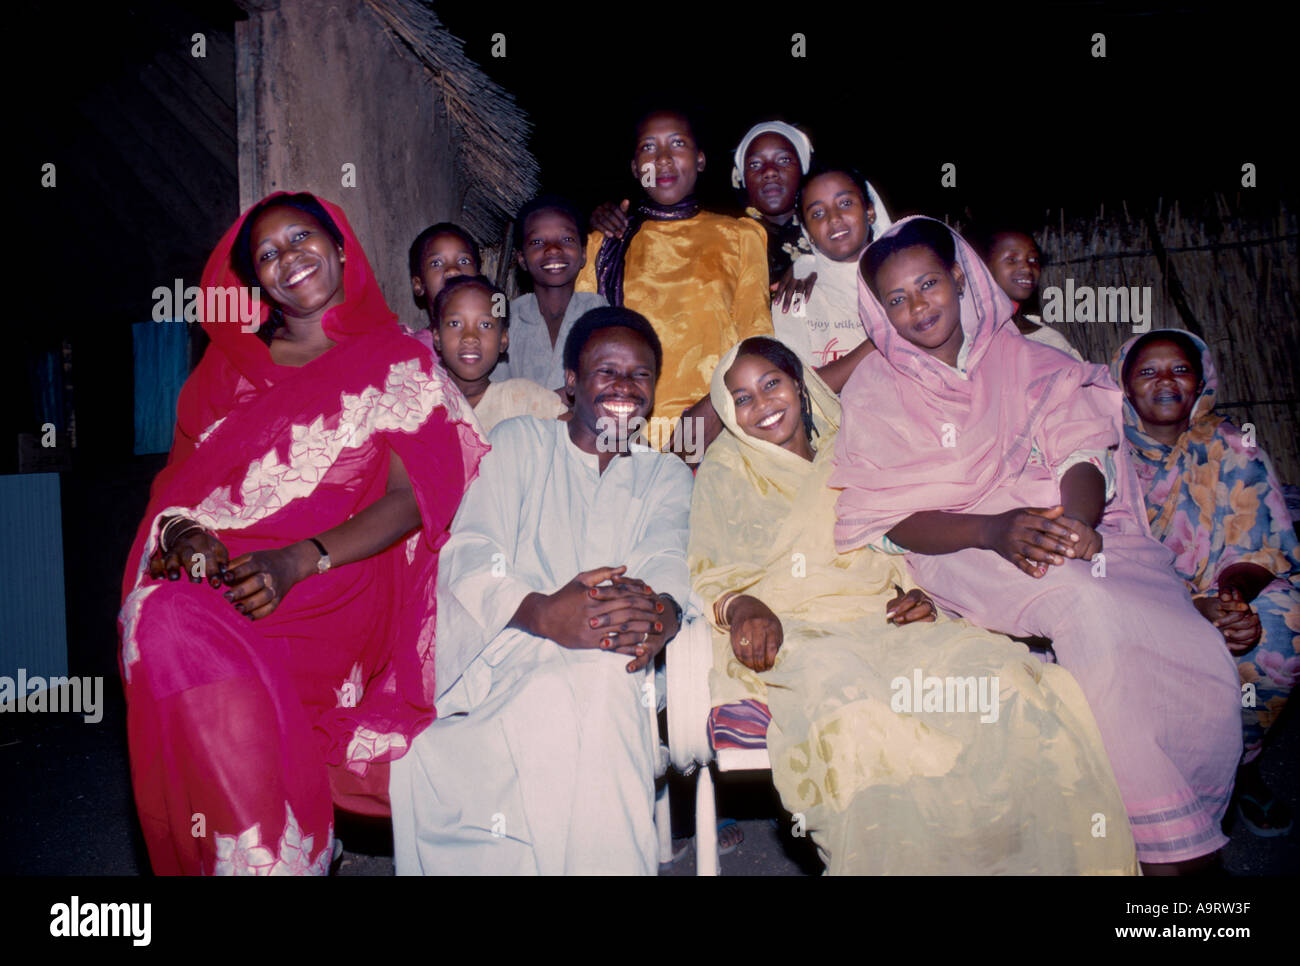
918,436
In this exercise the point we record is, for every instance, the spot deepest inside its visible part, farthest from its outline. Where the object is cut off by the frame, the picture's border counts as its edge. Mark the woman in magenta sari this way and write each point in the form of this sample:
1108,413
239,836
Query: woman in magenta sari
996,464
278,605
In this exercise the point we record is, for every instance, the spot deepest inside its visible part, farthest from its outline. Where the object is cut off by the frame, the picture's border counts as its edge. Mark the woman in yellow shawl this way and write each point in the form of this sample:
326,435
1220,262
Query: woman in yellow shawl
908,742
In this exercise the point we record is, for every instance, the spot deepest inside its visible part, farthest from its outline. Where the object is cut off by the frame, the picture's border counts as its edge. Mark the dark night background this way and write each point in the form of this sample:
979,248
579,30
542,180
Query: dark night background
1009,93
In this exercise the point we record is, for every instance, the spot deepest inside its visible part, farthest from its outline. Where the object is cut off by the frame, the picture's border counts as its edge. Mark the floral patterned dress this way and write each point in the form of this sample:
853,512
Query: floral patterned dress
1214,500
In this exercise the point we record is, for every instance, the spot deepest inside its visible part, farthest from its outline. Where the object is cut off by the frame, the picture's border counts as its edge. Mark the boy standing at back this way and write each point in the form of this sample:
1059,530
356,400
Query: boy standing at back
551,247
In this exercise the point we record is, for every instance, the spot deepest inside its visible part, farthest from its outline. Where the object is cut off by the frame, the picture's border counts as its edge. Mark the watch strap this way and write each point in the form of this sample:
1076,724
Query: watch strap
324,563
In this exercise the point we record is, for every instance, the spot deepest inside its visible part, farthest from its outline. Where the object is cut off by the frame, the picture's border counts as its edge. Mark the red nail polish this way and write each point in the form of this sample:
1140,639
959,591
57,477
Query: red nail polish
658,626
659,607
592,592
595,622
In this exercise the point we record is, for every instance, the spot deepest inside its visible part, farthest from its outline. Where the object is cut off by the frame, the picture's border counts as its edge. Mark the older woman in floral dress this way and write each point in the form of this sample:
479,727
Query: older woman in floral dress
1213,499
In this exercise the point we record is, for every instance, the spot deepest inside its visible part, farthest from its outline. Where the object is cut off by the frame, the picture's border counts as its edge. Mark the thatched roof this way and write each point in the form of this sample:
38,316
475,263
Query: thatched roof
490,130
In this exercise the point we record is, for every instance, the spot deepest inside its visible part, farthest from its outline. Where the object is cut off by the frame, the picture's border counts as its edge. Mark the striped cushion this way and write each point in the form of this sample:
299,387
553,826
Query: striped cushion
740,725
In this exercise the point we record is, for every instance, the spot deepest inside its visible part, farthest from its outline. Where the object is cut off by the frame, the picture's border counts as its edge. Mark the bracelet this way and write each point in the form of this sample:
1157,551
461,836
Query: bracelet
170,536
173,522
167,525
166,550
720,607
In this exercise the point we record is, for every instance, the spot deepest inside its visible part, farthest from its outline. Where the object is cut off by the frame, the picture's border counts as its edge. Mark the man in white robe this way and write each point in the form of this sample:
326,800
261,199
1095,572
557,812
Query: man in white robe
542,758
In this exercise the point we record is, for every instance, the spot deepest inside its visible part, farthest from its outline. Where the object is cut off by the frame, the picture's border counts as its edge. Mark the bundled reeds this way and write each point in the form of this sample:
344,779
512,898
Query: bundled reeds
499,265
491,131
1234,281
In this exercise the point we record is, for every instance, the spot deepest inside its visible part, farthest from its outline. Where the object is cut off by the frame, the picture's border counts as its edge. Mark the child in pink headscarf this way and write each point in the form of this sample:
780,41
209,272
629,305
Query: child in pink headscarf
994,463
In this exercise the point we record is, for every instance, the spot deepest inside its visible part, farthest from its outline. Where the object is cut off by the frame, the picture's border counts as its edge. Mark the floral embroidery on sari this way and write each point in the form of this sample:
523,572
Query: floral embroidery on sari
244,854
203,436
130,619
367,746
410,396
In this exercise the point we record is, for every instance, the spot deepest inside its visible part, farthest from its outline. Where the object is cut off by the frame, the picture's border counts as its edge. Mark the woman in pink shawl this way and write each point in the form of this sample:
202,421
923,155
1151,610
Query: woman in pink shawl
278,605
995,464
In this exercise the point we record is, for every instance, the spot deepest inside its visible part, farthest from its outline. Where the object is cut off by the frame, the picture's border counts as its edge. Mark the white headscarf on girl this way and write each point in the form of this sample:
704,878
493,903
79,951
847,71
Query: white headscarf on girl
802,147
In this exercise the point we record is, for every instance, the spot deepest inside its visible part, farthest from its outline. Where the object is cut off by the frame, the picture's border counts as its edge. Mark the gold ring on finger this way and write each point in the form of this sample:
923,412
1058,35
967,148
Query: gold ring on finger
744,642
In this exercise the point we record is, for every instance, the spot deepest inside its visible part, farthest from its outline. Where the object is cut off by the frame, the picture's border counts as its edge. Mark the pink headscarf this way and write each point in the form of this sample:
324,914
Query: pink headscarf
919,436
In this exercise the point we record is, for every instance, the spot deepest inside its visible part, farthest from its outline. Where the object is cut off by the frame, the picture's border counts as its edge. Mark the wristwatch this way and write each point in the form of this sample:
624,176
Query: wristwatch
323,564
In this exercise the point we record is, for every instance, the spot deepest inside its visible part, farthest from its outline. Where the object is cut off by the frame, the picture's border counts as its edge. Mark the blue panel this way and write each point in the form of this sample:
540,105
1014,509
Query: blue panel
35,633
162,351
49,388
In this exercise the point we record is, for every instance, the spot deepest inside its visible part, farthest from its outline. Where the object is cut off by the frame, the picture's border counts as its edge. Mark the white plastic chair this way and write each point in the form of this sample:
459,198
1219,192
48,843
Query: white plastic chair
688,661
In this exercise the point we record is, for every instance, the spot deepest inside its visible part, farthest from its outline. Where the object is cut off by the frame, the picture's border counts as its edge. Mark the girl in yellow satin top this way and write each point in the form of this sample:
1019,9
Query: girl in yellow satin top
699,277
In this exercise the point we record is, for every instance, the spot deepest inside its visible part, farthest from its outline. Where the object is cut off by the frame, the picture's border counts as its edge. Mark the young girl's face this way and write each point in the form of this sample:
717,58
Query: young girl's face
1162,384
445,256
469,337
665,143
771,174
1016,264
767,402
836,216
922,299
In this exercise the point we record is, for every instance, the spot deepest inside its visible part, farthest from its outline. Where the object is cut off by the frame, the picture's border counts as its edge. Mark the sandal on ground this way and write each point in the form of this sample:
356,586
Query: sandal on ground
1273,812
738,836
679,852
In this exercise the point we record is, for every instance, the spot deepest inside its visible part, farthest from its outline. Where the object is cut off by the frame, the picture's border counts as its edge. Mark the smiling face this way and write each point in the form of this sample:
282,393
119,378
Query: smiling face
665,142
552,253
922,299
1016,265
1163,385
772,174
297,262
469,337
837,217
614,385
445,256
768,403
